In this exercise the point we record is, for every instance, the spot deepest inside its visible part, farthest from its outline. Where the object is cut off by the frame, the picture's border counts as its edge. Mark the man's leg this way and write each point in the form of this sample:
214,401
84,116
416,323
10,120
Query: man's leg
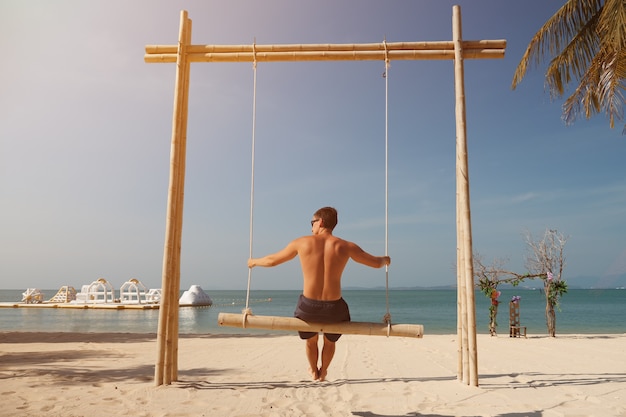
312,353
328,351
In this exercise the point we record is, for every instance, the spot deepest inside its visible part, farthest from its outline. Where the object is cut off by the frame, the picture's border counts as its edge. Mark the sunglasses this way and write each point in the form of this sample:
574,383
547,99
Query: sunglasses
314,221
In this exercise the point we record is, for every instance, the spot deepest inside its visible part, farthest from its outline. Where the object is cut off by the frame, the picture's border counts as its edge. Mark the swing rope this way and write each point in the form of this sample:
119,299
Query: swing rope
387,317
247,310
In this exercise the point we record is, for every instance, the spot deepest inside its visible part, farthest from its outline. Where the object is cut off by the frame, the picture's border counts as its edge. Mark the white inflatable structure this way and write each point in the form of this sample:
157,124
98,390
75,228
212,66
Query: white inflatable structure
133,291
195,296
99,291
65,294
32,296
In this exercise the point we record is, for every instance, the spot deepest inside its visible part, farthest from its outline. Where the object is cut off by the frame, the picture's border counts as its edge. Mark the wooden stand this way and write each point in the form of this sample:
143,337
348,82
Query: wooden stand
295,324
515,329
184,53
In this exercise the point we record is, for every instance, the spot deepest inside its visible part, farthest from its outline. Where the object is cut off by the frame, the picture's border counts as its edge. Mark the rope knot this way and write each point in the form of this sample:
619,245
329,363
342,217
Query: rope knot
387,321
254,54
246,312
387,64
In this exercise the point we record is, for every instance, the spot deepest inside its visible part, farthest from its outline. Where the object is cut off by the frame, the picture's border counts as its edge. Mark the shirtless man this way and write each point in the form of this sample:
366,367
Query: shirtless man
323,258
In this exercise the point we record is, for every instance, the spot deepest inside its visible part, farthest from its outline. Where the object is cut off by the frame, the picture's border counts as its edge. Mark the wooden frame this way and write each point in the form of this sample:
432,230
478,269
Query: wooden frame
184,53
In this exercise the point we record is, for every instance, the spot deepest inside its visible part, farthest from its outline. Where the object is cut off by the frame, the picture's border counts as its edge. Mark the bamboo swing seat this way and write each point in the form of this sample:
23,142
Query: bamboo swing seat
295,324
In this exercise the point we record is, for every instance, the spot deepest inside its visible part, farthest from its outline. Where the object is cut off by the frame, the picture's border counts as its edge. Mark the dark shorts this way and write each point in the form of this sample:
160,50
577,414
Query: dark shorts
317,311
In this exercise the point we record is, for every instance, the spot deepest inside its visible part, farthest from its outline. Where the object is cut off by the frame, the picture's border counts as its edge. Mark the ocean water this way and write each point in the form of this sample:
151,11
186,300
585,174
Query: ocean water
581,312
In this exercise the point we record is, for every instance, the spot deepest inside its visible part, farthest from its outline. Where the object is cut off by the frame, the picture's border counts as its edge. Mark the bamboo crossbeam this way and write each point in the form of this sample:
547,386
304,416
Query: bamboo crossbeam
295,324
390,46
438,50
400,55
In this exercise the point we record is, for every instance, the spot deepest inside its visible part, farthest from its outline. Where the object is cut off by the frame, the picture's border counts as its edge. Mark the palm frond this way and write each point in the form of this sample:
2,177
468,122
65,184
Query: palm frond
556,33
611,87
600,90
612,24
572,61
584,99
586,40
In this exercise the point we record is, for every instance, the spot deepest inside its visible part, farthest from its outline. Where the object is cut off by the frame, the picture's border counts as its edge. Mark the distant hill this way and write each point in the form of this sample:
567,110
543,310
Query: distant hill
607,281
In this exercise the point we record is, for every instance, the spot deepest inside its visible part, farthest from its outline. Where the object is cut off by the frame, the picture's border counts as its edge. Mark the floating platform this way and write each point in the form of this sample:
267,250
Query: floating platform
101,295
107,306
84,306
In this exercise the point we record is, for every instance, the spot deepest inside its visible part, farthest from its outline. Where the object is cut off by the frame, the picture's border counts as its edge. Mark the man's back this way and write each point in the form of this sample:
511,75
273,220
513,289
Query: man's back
323,258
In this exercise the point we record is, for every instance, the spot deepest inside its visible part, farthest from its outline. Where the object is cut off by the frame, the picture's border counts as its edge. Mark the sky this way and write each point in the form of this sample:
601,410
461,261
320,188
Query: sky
86,124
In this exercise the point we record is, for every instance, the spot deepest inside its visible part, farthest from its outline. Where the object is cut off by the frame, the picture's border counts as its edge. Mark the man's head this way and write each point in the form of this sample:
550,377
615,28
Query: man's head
328,216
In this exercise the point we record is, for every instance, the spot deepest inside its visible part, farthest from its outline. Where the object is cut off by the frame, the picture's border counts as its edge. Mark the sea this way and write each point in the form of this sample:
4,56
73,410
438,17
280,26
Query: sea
581,311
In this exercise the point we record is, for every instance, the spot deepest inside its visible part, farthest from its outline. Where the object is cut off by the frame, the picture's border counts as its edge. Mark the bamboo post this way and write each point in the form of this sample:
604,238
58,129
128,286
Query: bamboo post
464,204
460,292
167,336
295,324
460,284
181,173
462,369
182,134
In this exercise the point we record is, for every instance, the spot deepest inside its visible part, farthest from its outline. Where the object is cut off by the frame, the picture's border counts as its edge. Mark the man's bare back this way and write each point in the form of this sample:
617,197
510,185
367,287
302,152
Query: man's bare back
323,258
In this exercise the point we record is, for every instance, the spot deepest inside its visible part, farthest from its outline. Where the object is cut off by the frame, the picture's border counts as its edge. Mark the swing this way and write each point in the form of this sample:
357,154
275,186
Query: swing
247,320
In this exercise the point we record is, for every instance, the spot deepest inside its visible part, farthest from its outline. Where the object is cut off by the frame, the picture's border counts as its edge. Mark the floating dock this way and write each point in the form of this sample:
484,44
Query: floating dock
102,306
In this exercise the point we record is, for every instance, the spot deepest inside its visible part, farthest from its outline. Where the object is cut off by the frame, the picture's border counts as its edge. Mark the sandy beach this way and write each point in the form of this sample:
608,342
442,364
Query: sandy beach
111,374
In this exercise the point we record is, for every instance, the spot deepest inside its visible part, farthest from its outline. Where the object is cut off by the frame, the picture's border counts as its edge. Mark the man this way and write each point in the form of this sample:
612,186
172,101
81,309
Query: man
323,258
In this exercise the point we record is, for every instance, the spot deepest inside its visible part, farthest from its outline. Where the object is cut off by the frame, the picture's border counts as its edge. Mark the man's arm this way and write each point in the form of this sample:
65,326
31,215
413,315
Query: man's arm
288,253
362,257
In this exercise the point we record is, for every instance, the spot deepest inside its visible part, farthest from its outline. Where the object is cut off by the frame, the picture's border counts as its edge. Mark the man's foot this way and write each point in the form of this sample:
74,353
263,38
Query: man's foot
315,374
322,374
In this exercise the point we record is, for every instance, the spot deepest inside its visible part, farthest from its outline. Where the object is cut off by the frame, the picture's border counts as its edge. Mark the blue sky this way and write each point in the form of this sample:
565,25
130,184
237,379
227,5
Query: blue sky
85,127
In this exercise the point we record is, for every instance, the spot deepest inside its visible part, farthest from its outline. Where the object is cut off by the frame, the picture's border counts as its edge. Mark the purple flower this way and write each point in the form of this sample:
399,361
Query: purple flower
515,298
550,276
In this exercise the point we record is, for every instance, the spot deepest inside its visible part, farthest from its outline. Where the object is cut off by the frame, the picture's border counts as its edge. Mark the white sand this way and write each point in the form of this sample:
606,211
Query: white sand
69,374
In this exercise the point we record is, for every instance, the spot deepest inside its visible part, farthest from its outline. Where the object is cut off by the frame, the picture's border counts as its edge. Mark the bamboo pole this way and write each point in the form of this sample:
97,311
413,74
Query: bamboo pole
295,324
464,199
437,54
181,180
460,282
168,312
462,336
460,286
389,46
463,370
